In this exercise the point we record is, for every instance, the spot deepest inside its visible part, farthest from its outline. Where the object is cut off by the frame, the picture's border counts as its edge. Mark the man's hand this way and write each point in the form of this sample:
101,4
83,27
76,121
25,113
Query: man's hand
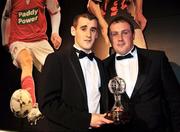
99,119
56,40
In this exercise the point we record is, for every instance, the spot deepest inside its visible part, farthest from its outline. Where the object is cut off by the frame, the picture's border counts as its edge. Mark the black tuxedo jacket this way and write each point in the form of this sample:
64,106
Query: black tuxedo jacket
62,94
155,101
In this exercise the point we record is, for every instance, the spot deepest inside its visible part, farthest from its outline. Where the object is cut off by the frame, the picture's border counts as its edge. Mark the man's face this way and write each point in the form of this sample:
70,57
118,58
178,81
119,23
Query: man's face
85,33
121,37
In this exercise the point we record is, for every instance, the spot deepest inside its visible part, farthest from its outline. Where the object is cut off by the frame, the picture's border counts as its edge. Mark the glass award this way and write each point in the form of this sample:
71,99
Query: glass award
118,114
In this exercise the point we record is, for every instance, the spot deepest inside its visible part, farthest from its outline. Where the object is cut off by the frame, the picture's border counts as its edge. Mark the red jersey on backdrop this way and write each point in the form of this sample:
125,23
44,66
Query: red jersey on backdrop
28,22
114,8
25,20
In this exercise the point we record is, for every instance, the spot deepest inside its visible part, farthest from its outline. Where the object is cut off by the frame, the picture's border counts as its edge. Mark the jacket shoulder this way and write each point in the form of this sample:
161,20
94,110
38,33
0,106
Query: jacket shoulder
151,53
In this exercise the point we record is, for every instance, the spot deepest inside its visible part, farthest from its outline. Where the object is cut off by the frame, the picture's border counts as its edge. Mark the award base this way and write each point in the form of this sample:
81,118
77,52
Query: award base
119,117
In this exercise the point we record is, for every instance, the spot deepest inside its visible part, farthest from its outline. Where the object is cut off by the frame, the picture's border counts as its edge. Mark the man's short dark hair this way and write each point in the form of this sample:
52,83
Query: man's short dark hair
84,15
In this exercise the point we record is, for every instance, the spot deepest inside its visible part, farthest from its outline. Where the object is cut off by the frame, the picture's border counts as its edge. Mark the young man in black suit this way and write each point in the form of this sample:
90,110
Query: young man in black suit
73,89
152,90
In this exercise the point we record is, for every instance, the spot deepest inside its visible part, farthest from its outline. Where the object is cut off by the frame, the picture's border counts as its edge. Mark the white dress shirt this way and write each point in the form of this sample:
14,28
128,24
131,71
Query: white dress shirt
92,81
127,69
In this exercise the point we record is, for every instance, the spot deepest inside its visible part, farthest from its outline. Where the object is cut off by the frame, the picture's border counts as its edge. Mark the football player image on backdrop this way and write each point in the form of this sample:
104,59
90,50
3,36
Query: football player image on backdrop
24,28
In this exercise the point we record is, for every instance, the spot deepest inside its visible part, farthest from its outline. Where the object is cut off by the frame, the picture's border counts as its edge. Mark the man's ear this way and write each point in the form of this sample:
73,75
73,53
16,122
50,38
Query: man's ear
73,31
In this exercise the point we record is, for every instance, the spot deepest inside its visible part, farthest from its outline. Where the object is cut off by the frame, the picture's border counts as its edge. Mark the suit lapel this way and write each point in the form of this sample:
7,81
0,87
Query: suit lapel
111,66
102,76
144,65
76,66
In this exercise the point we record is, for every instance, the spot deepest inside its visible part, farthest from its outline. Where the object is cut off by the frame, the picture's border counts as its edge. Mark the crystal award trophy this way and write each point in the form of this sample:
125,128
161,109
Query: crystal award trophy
118,114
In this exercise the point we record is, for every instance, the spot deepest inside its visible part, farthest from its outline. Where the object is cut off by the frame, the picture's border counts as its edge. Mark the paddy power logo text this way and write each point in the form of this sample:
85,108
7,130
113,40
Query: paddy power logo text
28,16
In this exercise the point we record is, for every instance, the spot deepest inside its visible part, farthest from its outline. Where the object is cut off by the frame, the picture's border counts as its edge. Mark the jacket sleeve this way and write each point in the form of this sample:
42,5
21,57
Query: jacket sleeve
51,102
172,92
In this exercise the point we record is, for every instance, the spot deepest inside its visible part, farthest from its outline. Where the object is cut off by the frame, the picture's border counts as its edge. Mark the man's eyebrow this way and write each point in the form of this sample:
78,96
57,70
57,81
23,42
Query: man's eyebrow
94,28
83,26
124,30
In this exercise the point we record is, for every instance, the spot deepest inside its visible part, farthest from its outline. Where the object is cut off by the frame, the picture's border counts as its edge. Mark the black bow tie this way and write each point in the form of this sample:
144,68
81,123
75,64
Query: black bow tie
124,57
82,54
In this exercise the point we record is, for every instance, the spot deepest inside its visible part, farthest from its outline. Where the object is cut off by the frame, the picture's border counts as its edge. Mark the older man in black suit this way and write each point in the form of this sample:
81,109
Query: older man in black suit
152,90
